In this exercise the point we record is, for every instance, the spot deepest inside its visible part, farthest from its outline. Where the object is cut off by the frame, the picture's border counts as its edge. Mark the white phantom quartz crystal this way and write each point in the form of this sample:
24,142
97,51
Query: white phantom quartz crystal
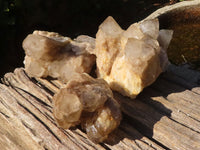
50,54
129,60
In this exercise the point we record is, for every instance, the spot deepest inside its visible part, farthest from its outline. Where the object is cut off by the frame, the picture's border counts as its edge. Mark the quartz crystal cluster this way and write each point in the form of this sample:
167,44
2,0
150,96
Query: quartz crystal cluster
50,54
129,60
89,102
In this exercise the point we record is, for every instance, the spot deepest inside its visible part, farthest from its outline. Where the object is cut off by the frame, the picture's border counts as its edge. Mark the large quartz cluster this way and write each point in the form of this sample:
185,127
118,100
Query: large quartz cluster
127,61
131,59
50,54
89,102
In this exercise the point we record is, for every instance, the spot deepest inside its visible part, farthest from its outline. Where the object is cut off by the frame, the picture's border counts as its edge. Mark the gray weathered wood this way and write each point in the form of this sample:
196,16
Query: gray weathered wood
164,115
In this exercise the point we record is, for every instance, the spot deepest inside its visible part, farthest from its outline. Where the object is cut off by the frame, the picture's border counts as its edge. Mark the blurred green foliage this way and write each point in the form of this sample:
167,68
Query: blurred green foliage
7,31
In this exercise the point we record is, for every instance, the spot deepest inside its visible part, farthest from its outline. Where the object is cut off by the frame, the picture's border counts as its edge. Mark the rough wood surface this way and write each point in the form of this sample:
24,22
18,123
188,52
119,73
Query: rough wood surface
165,115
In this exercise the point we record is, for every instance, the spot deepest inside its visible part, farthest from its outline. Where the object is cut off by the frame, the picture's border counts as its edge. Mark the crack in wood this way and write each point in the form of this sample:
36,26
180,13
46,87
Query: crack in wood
149,144
6,116
38,83
148,122
47,106
38,119
29,128
189,116
3,103
185,126
160,144
104,146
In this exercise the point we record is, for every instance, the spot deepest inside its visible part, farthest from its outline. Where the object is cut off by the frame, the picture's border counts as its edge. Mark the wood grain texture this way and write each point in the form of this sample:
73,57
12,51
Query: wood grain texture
165,115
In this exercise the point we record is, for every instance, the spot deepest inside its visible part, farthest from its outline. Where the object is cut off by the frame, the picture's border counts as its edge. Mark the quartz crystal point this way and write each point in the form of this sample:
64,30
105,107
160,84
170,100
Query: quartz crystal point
129,60
50,54
89,102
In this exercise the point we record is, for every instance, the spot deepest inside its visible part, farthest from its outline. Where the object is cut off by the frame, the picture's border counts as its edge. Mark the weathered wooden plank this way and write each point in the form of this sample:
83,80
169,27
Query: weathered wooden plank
24,127
174,112
181,130
188,84
40,108
168,89
166,131
186,100
165,115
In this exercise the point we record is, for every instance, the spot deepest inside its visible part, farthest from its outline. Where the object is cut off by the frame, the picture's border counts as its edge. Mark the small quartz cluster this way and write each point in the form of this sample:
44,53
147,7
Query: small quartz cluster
89,102
129,60
50,54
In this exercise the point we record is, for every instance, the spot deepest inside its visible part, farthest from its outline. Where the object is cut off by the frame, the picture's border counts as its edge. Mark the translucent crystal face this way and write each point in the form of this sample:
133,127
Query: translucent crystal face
127,61
150,27
89,102
110,27
133,31
50,54
68,106
132,59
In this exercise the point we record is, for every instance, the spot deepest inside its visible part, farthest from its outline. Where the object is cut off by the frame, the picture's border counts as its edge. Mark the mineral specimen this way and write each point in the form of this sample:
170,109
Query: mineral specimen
127,61
50,54
132,59
89,102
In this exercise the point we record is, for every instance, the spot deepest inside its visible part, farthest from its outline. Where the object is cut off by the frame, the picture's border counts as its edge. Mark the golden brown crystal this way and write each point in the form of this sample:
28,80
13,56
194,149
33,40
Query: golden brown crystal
50,54
127,61
89,102
132,59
